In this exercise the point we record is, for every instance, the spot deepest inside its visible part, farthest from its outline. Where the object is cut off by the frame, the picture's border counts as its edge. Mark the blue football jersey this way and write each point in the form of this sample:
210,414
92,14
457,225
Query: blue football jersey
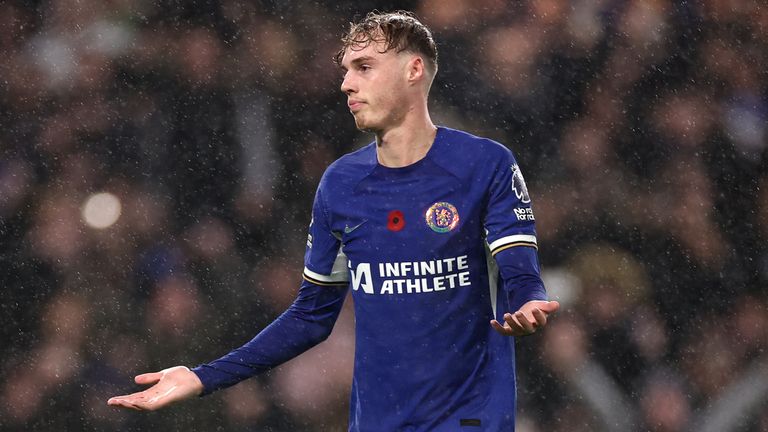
416,245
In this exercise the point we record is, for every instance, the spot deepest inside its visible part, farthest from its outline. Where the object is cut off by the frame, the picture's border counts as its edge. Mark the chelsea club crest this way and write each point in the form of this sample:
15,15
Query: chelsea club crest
442,217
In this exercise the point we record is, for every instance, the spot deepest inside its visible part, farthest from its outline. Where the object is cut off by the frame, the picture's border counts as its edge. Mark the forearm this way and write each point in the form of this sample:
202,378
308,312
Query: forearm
307,322
520,276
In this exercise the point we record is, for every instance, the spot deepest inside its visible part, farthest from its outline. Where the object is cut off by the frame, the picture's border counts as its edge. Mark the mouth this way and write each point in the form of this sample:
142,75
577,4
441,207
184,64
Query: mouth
354,105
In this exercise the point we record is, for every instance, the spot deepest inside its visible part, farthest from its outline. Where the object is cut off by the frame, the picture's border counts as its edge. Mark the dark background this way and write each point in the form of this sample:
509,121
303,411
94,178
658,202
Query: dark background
641,127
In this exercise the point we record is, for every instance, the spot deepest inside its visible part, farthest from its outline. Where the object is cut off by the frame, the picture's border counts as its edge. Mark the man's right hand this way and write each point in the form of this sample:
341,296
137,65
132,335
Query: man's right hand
170,385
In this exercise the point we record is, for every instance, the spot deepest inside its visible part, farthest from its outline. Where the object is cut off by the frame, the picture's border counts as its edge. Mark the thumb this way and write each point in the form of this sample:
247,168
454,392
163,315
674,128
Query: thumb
550,307
148,378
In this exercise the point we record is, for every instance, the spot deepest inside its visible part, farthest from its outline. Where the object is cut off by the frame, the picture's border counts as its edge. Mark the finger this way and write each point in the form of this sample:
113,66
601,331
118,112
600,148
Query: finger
114,399
145,400
503,330
514,324
540,317
129,406
123,403
132,396
550,307
148,378
525,323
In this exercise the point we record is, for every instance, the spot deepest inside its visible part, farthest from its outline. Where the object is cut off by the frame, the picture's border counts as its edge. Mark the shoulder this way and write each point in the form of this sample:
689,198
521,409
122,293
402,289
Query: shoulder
461,141
463,149
350,168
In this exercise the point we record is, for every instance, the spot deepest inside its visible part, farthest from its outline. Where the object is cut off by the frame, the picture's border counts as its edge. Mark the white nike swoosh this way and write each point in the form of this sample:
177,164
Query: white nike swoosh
348,230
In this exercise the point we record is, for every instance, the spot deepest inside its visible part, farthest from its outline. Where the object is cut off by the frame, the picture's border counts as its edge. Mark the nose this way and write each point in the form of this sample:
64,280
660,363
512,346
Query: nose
347,85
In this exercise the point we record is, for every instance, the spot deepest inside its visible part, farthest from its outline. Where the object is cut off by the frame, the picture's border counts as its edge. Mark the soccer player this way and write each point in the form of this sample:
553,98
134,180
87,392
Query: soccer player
432,230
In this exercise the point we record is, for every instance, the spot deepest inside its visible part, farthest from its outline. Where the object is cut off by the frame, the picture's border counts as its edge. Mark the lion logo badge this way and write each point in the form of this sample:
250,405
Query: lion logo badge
442,217
518,185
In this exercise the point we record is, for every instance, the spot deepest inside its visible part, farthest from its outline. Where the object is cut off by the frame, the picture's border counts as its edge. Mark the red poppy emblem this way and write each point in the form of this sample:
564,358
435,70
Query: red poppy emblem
395,220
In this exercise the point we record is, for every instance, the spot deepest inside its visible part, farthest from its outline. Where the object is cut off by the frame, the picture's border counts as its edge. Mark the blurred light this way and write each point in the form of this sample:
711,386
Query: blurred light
561,285
101,210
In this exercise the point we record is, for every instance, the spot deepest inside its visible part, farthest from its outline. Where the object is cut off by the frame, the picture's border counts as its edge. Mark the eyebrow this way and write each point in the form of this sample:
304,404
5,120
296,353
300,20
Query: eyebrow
359,60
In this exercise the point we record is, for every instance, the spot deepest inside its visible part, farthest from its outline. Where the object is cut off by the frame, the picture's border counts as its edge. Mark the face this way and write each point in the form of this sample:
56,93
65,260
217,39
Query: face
375,85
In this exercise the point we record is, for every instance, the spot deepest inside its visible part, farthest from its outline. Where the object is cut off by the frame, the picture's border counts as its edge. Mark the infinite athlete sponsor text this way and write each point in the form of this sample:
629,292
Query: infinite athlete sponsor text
411,277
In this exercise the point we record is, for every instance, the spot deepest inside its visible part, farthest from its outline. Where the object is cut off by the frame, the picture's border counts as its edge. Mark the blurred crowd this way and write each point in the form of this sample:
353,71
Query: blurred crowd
641,127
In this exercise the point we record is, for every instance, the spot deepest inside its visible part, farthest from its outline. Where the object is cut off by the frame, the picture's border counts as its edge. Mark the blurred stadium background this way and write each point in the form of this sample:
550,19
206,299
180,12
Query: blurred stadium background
159,158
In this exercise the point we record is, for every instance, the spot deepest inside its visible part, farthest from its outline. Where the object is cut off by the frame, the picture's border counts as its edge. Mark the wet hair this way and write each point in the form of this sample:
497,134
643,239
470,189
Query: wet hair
399,31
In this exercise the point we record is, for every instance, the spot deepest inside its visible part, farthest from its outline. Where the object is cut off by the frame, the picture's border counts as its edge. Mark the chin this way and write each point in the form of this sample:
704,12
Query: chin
362,125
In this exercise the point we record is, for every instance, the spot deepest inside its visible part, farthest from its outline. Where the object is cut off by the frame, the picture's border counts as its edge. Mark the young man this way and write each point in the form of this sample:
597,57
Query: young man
433,231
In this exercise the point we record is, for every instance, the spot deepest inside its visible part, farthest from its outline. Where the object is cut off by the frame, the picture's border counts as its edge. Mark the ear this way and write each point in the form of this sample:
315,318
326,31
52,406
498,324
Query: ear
416,71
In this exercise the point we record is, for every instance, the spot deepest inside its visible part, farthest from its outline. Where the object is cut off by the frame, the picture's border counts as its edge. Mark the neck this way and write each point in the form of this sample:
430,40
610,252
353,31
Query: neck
407,142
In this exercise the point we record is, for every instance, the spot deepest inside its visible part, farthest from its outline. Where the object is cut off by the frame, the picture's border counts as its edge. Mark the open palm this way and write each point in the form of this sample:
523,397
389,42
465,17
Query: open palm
170,385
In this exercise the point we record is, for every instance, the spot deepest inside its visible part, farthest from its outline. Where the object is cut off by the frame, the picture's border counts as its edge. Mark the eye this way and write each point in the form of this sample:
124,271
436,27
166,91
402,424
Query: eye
364,68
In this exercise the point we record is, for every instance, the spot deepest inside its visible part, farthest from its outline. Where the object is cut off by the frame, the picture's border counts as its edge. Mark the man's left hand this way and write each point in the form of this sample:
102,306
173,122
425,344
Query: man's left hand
527,320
